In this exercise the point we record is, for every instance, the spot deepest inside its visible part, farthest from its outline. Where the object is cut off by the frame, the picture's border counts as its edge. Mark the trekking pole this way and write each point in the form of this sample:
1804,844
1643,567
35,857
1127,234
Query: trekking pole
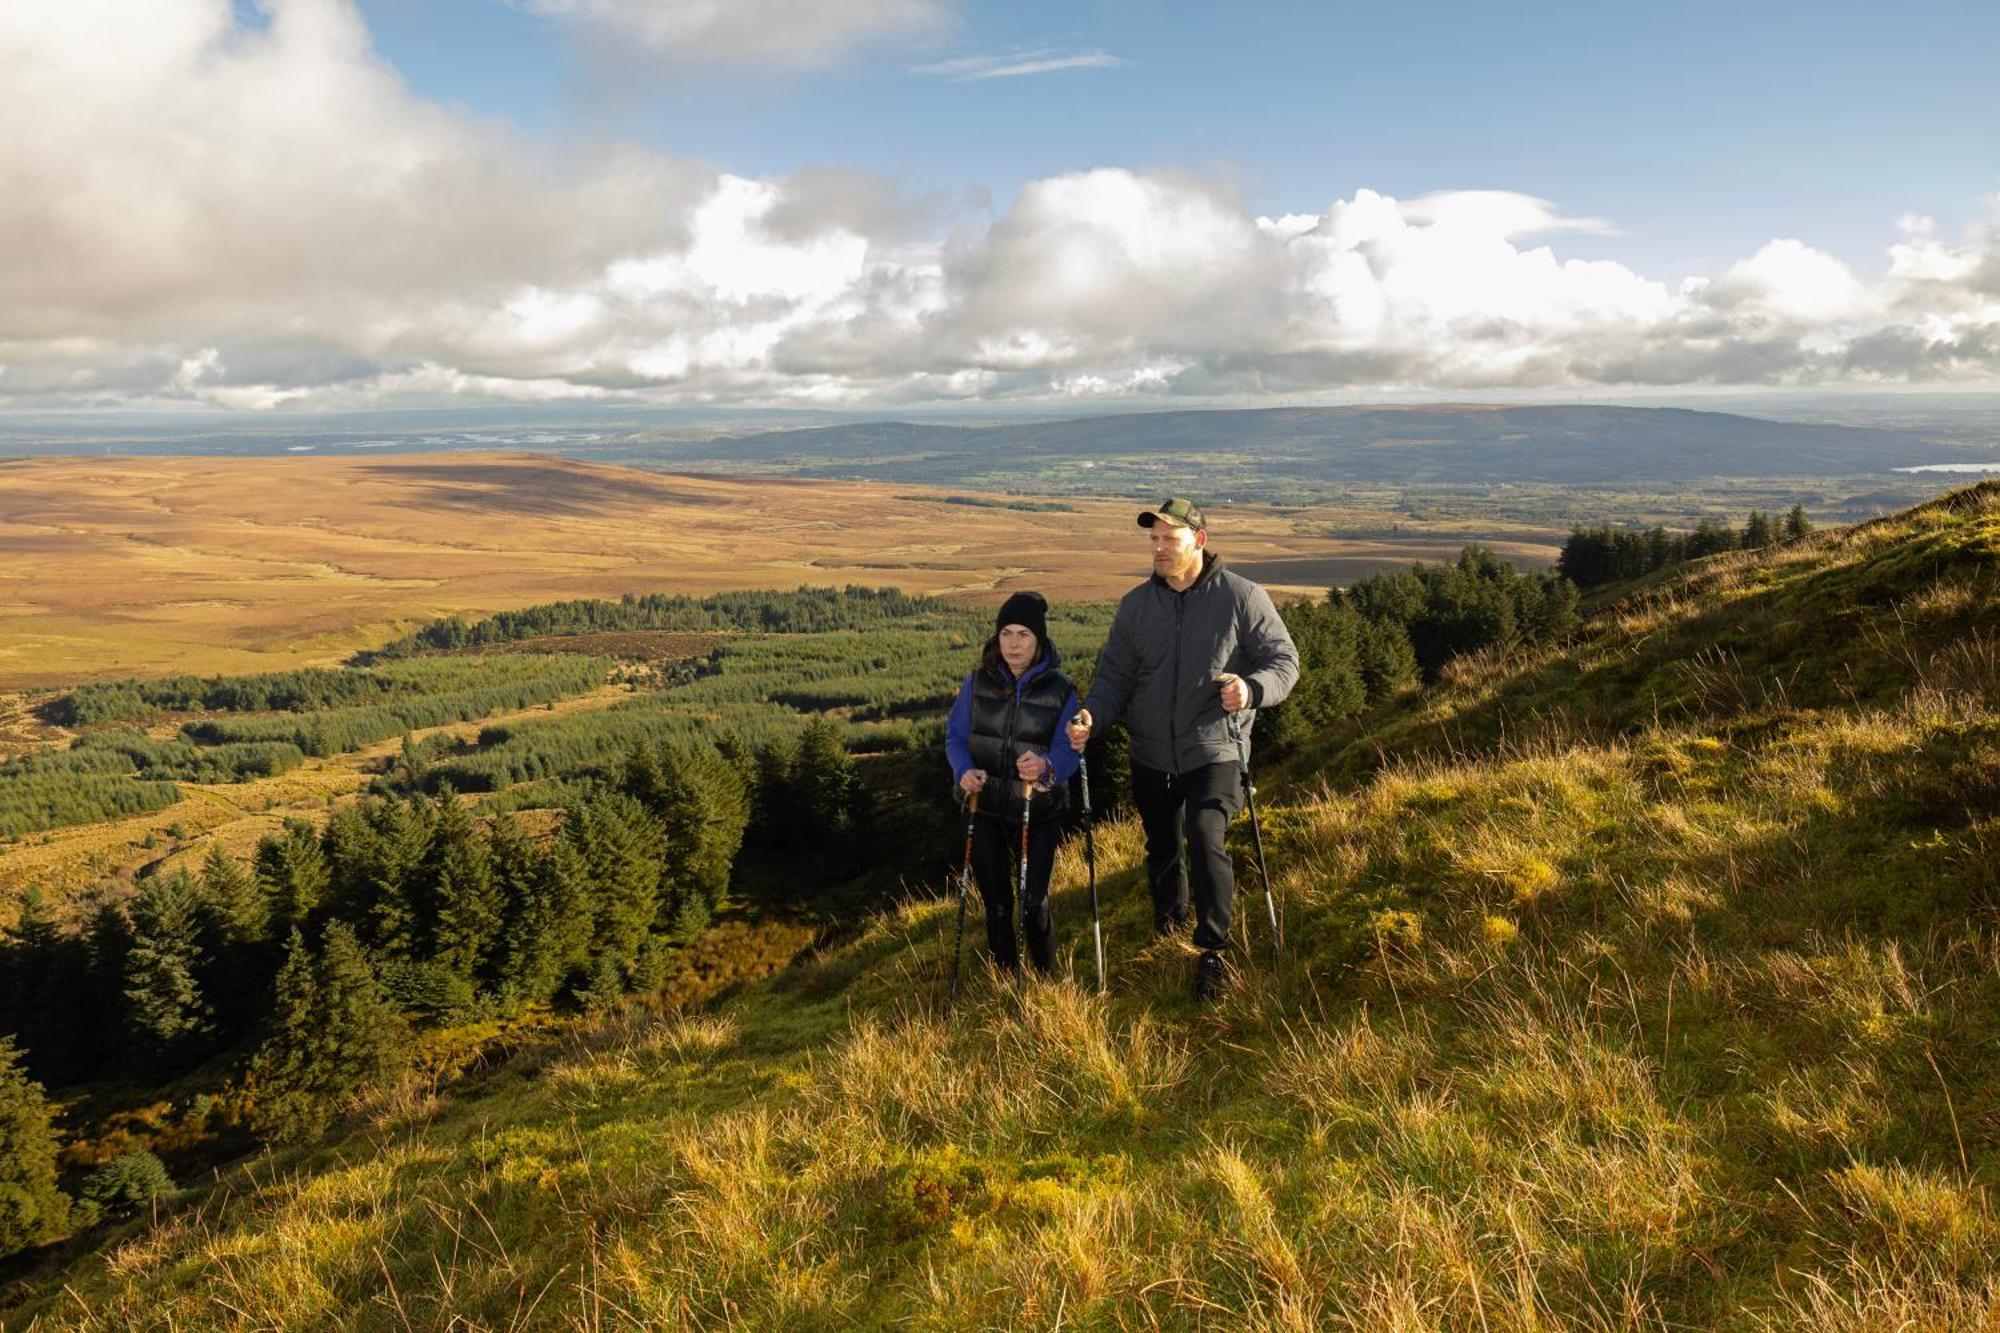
1257,839
1090,860
1027,806
964,892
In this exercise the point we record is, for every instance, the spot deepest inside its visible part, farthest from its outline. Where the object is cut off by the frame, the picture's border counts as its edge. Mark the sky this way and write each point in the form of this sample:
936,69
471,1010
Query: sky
296,205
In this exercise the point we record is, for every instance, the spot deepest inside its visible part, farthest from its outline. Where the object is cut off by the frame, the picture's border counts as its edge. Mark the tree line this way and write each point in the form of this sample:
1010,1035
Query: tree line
1593,557
1394,630
338,730
306,690
805,610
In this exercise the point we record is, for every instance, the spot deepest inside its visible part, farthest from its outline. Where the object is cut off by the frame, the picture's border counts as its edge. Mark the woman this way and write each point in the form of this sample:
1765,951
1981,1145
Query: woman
1002,734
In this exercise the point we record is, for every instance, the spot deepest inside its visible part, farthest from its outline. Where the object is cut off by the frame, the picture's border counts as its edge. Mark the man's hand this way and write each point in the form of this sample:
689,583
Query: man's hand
1079,729
1235,692
973,781
1030,766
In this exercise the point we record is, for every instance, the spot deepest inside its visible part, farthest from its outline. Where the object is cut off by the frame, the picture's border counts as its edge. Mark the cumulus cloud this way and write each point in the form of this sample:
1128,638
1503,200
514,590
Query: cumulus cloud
269,217
787,34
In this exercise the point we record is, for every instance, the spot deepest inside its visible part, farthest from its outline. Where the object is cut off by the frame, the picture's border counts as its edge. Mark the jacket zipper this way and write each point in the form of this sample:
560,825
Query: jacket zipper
1174,713
1008,728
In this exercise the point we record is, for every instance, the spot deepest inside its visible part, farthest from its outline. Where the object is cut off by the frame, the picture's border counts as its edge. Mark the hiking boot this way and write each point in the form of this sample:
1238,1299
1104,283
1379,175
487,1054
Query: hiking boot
1169,927
1211,977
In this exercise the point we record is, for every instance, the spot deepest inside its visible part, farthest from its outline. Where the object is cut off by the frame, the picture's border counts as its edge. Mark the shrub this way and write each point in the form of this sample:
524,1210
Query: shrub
126,1184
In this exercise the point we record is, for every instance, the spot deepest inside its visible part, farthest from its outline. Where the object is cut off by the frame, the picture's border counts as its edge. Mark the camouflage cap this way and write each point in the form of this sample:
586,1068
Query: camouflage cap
1175,511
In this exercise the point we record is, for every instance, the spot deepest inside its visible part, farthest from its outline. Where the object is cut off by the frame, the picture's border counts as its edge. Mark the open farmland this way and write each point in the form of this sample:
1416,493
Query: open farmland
144,566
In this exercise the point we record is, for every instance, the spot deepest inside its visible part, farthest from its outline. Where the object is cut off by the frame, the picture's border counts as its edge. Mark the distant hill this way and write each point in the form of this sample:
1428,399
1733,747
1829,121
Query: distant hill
1447,444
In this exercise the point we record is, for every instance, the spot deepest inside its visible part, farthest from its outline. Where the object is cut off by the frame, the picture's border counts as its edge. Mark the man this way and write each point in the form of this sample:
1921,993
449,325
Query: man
1194,651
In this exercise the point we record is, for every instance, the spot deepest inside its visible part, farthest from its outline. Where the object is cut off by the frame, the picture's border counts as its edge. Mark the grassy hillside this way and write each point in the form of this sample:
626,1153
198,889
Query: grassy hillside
1652,983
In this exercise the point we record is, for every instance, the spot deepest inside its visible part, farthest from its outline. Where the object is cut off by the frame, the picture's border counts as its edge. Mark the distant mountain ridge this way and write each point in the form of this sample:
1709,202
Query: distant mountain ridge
1444,444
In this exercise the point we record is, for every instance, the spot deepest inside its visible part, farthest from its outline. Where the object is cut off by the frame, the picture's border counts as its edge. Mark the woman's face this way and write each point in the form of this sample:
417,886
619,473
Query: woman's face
1017,647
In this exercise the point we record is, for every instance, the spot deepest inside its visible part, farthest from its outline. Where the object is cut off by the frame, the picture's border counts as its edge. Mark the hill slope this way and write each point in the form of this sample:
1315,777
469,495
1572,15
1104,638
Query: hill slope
1650,984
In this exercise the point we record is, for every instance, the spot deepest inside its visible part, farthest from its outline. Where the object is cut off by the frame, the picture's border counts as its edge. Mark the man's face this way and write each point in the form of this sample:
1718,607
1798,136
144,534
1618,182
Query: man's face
1174,548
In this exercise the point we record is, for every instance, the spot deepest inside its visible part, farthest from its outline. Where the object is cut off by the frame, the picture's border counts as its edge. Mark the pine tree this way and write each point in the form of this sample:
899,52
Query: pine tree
825,782
50,997
234,920
233,907
167,1017
331,1033
1709,538
464,901
107,940
1546,606
1661,549
294,875
390,913
703,808
281,1072
1330,685
352,846
1758,531
621,848
1796,523
526,965
777,813
32,1208
1388,663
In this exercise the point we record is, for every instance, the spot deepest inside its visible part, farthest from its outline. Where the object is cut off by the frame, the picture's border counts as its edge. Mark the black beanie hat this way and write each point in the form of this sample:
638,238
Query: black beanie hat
1030,609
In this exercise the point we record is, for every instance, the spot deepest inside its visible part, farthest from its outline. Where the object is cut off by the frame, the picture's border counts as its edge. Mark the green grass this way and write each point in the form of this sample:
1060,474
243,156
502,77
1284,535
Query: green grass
1672,1002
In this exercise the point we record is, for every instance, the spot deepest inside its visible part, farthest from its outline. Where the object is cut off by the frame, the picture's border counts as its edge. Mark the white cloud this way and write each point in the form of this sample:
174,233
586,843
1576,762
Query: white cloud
967,68
1790,282
252,217
788,34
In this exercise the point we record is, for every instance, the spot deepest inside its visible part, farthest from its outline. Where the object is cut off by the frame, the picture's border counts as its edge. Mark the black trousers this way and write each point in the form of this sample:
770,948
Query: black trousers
996,853
1196,806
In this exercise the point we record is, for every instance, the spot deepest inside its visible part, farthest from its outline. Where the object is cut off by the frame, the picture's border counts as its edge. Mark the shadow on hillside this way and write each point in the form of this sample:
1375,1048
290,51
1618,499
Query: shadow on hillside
547,490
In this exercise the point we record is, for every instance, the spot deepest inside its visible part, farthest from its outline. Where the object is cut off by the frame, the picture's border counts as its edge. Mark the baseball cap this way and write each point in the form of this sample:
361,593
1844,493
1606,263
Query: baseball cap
1175,511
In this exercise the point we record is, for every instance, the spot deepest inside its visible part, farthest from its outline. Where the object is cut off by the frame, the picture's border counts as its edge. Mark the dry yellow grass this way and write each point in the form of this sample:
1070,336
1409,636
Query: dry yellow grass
159,565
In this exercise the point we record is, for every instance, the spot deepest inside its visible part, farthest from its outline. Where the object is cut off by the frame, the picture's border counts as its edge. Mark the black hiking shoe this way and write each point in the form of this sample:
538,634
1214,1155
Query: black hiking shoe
1169,927
1211,977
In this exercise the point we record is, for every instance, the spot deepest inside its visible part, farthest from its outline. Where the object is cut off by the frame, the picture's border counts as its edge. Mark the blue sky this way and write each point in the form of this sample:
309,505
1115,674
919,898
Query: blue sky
1699,131
282,205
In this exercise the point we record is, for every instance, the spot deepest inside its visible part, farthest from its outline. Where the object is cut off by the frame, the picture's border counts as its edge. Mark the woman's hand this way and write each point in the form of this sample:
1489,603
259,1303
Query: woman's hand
1030,766
1079,729
973,781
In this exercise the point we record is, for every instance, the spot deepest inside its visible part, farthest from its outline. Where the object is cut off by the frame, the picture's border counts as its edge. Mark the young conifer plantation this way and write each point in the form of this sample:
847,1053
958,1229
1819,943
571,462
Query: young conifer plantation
1639,971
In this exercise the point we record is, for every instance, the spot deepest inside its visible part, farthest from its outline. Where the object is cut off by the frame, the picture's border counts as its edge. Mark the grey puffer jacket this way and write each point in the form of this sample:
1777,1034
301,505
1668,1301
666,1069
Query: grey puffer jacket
1166,648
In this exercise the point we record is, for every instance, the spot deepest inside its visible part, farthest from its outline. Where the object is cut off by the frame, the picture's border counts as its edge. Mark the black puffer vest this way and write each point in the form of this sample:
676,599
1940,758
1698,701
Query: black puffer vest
1006,721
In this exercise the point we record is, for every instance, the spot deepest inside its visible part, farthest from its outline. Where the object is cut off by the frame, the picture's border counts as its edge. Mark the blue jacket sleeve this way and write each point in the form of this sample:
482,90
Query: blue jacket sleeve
1062,755
958,732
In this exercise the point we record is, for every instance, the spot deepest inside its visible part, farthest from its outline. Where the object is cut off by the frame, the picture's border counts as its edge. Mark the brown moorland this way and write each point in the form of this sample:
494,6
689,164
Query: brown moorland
146,566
